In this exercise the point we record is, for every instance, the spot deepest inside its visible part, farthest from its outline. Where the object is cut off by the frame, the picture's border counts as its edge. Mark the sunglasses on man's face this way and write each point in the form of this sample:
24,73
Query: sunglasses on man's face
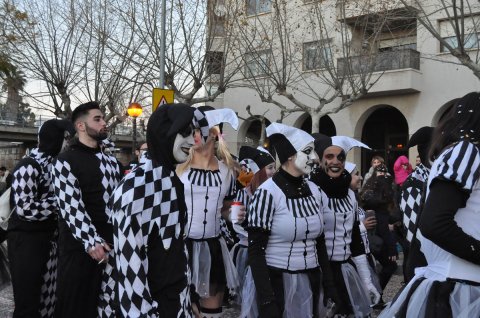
340,157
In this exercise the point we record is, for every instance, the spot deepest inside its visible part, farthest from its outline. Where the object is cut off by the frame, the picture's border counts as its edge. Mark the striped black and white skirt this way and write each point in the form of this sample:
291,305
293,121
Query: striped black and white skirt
426,297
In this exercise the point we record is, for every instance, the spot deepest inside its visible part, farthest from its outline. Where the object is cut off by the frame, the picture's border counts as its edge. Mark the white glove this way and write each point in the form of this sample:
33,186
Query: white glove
364,273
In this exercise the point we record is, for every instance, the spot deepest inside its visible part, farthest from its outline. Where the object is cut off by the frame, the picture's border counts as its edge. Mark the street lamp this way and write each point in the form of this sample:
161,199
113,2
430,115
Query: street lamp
134,110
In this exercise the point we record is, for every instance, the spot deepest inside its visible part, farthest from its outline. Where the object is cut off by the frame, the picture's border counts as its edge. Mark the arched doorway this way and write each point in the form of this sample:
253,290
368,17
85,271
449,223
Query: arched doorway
386,132
254,132
327,127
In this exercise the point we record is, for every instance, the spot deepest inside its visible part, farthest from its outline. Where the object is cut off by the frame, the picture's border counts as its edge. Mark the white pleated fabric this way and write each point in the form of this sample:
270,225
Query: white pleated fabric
249,297
356,291
298,297
374,277
240,261
201,264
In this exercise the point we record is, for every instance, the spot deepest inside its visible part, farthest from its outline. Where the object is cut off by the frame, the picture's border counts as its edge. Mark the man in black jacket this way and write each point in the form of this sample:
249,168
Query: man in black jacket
84,178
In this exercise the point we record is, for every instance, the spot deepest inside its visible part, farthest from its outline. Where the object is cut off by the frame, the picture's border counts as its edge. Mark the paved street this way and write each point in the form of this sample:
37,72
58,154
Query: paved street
6,297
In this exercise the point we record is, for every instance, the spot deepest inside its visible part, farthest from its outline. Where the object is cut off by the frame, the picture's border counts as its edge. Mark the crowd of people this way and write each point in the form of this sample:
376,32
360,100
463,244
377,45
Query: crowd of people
189,226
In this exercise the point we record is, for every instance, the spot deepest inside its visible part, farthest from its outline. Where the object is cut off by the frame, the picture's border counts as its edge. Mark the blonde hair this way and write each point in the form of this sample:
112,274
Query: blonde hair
222,153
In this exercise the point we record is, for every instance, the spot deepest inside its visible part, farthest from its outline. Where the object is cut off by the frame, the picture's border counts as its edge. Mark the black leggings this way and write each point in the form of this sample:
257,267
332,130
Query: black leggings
28,253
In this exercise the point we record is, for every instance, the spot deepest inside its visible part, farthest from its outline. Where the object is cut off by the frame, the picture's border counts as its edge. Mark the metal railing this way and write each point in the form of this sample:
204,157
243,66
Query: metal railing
382,61
16,120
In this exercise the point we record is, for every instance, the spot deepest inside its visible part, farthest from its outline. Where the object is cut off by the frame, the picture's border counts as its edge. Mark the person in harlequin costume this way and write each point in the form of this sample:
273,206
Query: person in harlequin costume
209,186
286,248
449,225
345,248
261,163
412,199
84,177
149,215
32,241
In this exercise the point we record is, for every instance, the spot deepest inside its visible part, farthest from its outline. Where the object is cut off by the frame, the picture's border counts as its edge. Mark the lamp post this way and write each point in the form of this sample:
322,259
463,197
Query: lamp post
134,110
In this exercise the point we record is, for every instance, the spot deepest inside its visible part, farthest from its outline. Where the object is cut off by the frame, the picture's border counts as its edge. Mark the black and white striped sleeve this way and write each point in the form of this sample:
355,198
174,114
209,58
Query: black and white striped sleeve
231,187
242,197
261,210
72,208
460,164
28,204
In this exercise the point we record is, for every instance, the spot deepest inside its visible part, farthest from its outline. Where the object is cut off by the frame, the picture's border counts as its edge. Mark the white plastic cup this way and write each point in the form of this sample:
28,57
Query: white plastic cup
236,206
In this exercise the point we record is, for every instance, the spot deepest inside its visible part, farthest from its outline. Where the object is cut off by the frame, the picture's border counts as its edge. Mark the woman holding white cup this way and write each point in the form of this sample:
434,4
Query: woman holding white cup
261,163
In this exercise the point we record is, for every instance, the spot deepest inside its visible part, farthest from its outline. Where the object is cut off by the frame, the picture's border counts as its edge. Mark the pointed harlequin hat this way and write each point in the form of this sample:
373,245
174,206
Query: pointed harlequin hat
287,140
350,166
255,159
322,142
207,117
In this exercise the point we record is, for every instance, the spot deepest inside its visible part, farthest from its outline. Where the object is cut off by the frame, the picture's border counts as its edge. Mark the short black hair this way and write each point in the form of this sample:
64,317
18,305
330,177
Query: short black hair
83,109
3,168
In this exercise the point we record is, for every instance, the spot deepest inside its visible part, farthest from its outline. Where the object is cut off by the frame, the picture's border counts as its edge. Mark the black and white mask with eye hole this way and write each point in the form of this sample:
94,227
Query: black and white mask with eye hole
183,142
306,158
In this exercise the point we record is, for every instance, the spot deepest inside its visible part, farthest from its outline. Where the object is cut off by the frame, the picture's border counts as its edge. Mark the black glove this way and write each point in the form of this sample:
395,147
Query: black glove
269,310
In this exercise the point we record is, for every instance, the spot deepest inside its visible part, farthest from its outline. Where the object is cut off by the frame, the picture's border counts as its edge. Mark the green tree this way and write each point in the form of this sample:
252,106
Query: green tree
13,84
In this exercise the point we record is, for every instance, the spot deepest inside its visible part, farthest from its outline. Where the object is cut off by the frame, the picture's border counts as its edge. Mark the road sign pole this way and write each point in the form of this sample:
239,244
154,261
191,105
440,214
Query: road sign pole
162,44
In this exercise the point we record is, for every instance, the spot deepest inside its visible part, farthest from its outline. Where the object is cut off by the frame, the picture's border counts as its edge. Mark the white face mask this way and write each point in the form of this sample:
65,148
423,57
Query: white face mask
305,158
181,147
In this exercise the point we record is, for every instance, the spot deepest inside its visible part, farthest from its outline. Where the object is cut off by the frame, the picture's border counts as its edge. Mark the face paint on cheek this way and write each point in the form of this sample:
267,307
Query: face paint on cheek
303,162
181,147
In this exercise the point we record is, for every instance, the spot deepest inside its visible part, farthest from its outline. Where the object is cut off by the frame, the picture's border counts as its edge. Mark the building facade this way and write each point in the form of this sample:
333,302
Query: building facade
411,78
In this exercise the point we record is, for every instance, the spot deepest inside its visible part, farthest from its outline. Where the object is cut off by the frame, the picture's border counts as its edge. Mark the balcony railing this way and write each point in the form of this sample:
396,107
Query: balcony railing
383,61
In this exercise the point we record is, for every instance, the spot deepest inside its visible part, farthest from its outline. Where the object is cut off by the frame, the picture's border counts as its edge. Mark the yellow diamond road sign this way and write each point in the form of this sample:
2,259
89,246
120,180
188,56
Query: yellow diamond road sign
161,96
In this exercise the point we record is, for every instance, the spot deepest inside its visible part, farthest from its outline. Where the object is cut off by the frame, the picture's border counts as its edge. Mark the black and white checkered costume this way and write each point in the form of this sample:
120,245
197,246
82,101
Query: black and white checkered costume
83,180
28,180
69,197
145,207
200,122
35,215
412,197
